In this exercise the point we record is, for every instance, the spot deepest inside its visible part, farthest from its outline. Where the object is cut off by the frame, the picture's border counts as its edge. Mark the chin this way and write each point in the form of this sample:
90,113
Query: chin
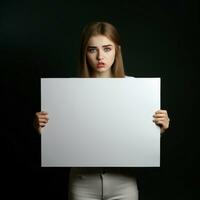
102,69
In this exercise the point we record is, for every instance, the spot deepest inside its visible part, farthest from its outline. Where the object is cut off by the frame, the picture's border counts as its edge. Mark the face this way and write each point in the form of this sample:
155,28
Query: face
100,54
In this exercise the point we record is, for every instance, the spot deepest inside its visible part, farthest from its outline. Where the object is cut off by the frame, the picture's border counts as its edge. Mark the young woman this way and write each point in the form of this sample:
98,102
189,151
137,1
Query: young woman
101,57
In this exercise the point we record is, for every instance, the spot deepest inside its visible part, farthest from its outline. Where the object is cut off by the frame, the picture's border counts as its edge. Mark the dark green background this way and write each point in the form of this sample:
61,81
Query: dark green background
41,39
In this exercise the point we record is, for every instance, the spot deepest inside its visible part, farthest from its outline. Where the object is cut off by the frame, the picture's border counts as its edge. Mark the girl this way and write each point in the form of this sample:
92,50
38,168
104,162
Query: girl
101,57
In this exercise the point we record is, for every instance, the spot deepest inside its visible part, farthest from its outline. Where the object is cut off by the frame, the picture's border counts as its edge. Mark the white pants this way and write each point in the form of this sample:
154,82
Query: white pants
102,184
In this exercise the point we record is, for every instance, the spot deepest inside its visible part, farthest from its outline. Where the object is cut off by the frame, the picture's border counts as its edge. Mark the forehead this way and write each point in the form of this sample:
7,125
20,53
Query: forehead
99,40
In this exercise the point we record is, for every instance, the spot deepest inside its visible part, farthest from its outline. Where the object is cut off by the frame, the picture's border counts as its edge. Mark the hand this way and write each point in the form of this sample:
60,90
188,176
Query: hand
161,119
41,119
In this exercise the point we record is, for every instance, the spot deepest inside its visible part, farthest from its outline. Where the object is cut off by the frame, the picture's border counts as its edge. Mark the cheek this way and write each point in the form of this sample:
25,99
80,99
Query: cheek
90,59
111,57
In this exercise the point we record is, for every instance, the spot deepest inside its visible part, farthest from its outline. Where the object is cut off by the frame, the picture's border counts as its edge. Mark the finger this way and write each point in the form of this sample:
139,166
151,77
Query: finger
164,119
44,112
161,112
162,124
41,113
42,124
43,121
44,117
160,115
158,121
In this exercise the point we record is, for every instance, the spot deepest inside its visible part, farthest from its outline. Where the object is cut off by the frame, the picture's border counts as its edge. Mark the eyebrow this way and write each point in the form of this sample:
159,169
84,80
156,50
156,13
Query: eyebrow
108,45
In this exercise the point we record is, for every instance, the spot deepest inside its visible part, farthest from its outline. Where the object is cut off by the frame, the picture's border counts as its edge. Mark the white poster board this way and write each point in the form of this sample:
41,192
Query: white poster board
100,122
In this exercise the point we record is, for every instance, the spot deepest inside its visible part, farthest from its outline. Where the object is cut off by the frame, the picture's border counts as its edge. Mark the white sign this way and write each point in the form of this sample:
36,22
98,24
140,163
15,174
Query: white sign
100,122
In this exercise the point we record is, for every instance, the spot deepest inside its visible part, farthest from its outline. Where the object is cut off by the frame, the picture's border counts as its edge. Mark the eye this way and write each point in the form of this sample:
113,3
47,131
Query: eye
107,49
91,50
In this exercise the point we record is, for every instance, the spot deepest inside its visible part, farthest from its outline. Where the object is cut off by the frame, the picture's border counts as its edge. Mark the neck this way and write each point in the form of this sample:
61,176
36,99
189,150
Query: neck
106,74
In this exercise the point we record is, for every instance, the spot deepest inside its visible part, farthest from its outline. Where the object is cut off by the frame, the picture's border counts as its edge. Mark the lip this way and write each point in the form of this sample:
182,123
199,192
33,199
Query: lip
100,65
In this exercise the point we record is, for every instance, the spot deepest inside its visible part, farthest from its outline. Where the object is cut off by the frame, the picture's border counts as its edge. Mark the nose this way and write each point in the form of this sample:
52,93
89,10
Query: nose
100,55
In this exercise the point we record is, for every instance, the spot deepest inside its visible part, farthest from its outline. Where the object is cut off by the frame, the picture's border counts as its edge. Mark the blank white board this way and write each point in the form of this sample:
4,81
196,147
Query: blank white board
100,122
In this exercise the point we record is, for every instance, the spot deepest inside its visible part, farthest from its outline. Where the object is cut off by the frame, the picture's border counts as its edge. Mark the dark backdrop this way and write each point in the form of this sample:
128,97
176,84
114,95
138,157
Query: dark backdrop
41,39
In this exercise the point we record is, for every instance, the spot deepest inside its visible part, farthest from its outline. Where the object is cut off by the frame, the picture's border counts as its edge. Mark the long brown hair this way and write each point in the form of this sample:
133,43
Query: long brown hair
105,29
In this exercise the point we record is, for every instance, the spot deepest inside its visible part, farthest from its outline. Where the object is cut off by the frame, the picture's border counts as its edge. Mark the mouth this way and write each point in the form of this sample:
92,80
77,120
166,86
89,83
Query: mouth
100,65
